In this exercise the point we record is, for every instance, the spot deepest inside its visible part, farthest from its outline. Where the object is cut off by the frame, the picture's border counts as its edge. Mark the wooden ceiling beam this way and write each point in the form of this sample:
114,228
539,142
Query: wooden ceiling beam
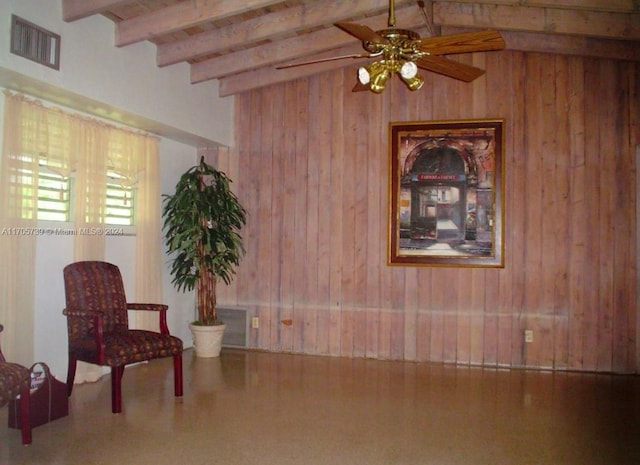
73,10
622,6
270,26
534,19
294,48
180,16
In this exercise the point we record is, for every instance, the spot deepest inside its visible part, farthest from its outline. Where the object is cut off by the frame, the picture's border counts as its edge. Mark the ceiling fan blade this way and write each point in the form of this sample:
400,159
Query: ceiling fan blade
362,32
360,87
479,41
320,60
449,68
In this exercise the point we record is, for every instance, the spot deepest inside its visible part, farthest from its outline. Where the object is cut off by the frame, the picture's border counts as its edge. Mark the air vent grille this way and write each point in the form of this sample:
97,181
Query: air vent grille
35,43
235,335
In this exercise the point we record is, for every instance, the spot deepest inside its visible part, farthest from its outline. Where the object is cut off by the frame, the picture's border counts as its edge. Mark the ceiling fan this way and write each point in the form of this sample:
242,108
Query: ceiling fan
402,51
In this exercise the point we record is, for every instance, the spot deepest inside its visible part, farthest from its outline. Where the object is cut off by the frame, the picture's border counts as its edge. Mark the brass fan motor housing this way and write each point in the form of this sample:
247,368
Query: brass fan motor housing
400,42
398,34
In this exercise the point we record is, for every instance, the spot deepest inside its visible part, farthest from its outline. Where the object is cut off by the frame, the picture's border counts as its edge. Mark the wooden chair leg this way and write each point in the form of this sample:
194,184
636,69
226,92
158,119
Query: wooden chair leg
25,416
177,374
116,388
71,374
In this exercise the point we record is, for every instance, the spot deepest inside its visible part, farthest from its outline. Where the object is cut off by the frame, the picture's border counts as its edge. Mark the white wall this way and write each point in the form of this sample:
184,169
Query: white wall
122,84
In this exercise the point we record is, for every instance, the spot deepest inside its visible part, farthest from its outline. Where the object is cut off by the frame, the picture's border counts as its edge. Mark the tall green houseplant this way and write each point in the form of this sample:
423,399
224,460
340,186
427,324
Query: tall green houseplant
202,223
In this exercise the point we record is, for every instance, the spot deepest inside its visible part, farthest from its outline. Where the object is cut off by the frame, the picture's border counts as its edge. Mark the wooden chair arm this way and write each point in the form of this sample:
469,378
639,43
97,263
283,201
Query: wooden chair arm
161,308
82,314
147,307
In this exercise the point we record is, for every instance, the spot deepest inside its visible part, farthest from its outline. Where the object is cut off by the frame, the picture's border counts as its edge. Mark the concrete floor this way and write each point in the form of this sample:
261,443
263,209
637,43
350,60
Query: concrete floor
249,408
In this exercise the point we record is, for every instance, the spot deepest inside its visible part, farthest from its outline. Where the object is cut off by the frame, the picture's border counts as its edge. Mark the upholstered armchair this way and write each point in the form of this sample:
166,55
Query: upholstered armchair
16,380
98,327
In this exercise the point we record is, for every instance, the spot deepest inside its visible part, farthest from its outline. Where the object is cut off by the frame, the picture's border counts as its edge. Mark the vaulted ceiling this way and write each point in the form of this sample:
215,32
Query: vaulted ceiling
240,42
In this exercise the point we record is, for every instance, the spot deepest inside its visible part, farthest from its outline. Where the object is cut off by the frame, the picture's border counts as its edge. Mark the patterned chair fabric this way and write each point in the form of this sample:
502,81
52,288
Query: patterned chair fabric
16,380
98,326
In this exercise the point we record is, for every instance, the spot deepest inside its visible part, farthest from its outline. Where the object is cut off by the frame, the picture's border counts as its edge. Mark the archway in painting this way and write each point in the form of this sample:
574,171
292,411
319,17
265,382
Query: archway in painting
438,190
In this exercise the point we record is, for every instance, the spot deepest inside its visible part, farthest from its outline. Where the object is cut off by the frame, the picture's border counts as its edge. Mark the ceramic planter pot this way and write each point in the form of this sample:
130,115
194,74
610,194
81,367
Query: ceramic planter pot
207,340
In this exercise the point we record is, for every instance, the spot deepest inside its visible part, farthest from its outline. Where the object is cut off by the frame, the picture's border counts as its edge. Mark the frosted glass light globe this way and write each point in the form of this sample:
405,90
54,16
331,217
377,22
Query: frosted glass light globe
408,70
363,75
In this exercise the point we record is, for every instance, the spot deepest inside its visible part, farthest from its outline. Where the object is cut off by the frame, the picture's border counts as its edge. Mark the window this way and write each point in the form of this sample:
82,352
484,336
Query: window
120,205
48,167
53,196
54,199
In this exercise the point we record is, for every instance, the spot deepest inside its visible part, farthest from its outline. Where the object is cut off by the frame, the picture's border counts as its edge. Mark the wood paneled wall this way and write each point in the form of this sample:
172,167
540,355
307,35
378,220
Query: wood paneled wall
311,166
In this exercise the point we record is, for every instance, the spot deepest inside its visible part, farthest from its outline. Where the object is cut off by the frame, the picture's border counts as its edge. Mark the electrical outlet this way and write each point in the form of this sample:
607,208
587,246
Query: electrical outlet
528,335
255,322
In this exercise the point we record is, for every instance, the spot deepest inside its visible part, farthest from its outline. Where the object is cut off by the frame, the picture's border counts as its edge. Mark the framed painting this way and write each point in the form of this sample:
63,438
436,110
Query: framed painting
446,193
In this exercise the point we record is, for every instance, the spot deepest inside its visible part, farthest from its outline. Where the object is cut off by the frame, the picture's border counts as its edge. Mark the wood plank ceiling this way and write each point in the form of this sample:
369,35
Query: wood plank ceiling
241,42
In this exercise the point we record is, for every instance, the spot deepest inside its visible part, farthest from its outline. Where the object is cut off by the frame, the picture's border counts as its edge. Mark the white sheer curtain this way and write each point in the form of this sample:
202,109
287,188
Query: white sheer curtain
148,234
94,152
90,192
18,220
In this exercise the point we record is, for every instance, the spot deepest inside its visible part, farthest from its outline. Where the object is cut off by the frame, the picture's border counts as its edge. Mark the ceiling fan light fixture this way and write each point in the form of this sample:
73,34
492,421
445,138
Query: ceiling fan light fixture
364,77
379,80
374,75
368,73
413,83
408,70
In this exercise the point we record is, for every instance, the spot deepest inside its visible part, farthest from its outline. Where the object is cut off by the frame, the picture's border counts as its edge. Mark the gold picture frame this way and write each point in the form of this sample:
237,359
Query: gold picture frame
446,193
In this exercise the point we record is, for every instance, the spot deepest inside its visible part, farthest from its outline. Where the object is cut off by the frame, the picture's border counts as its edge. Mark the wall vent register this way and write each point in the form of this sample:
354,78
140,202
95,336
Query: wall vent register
35,43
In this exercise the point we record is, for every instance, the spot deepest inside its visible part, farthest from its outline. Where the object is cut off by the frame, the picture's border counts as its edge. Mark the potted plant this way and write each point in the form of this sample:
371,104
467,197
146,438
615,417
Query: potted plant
202,223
